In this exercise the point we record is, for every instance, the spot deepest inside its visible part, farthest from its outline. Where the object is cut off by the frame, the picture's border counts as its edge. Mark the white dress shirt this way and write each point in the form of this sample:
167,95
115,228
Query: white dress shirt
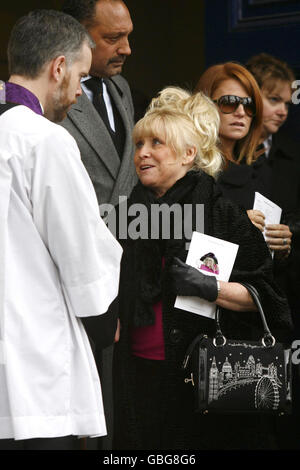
268,144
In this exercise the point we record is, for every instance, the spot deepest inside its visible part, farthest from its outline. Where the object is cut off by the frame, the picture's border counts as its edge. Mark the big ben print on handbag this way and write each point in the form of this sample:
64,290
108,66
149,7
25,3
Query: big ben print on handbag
237,375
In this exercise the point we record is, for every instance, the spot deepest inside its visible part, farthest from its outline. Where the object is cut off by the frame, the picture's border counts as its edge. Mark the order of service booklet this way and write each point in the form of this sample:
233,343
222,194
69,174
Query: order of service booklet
213,257
271,211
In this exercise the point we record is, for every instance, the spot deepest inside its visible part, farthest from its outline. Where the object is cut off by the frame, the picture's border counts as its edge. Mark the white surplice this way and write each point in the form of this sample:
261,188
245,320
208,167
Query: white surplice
58,262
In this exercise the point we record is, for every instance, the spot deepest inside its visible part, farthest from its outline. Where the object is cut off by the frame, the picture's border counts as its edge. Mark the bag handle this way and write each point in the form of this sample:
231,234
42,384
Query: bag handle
268,339
190,349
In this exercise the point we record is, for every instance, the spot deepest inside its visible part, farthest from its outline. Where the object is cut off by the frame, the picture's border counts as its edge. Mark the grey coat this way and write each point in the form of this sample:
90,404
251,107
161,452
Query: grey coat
110,176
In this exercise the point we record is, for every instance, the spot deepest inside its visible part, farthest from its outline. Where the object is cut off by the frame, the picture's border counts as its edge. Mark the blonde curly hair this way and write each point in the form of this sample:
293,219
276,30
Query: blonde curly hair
184,120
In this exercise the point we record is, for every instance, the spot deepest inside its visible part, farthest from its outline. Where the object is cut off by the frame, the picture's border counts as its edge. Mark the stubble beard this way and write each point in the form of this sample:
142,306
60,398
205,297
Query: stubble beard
58,109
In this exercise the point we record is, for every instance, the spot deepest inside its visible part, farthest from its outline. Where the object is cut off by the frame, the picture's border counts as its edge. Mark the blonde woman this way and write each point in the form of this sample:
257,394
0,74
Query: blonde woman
176,160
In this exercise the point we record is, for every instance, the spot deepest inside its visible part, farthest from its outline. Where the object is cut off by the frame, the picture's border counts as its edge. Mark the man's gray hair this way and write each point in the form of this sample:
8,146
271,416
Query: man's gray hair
40,37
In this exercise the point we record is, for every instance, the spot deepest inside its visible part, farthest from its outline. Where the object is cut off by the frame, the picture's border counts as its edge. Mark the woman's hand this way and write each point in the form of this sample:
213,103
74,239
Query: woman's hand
257,218
187,280
279,239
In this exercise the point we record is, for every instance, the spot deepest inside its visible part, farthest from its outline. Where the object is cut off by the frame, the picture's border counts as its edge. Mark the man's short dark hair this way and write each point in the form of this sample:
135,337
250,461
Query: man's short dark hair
83,10
41,36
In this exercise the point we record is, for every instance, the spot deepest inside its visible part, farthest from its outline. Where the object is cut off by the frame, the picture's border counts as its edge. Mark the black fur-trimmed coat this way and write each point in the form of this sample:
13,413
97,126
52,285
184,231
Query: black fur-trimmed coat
182,428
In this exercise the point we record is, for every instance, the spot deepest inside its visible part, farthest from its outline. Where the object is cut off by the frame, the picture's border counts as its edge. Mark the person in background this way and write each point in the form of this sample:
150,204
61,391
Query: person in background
247,114
237,96
59,262
101,123
176,160
281,155
282,158
102,119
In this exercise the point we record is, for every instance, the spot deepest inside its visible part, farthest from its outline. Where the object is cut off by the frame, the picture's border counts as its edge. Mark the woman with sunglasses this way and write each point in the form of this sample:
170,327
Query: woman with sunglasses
237,95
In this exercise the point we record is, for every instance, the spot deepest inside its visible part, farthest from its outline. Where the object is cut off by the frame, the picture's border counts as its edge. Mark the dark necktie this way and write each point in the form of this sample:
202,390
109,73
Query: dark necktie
118,136
95,85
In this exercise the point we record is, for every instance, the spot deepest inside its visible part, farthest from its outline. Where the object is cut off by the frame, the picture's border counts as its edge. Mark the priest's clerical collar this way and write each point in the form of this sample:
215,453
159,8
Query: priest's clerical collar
20,95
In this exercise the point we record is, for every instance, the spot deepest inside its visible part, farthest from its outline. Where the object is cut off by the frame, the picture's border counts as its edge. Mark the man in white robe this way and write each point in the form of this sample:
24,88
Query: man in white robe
58,261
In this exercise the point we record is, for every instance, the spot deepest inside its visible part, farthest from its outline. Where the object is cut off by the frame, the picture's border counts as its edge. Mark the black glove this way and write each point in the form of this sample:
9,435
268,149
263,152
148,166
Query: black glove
187,280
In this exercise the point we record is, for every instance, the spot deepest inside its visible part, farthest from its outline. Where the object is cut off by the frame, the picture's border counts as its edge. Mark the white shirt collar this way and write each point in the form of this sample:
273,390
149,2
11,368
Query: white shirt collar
106,98
268,144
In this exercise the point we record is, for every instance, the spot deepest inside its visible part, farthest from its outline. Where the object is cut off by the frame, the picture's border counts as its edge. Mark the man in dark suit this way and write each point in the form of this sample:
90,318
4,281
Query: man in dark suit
101,123
103,131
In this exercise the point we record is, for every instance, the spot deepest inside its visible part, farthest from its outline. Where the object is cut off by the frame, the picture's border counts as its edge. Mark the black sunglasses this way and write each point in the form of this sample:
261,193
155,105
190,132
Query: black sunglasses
229,103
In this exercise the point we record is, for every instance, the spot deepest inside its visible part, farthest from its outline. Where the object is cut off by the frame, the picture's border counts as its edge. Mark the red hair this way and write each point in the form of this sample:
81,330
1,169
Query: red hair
208,83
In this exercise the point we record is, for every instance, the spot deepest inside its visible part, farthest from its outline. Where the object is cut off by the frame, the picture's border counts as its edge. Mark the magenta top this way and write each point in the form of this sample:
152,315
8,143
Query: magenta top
148,341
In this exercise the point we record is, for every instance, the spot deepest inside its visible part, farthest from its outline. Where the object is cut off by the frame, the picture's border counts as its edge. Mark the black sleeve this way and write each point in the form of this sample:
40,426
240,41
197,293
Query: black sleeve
254,265
293,221
101,329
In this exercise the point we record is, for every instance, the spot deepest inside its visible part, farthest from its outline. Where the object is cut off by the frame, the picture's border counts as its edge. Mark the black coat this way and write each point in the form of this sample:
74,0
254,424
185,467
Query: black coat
285,165
284,161
277,178
224,220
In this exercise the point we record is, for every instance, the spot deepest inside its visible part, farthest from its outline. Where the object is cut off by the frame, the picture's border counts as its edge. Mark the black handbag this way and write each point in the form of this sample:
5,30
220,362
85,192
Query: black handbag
237,375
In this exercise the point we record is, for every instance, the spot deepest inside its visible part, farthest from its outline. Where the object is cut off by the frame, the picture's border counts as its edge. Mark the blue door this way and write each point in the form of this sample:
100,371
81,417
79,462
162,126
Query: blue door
237,29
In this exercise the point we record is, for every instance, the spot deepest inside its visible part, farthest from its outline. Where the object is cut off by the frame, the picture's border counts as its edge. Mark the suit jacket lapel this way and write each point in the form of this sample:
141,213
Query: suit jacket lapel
93,129
121,104
127,175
